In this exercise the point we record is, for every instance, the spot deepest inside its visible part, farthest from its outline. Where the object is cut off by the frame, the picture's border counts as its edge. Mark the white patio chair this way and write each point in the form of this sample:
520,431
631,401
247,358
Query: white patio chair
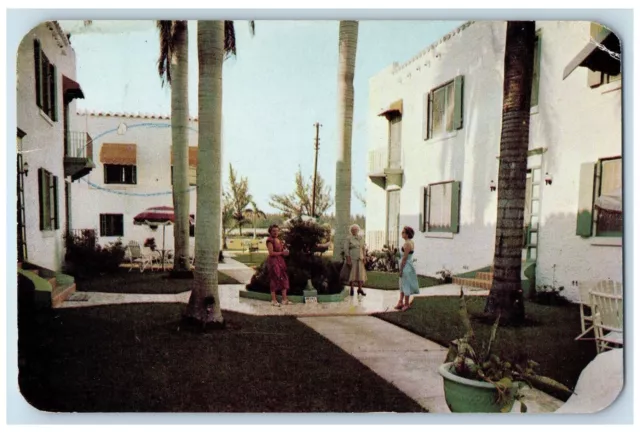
586,315
607,307
139,256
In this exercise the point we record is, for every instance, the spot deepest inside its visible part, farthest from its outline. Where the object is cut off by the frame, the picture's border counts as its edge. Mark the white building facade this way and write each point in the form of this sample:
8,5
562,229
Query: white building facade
435,124
133,173
51,149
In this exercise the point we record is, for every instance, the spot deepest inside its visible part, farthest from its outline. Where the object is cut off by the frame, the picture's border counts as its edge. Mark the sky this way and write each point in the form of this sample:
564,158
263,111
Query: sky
282,81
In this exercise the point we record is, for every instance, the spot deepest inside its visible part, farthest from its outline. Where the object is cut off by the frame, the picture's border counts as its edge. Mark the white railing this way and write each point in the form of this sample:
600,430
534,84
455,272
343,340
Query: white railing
79,145
377,161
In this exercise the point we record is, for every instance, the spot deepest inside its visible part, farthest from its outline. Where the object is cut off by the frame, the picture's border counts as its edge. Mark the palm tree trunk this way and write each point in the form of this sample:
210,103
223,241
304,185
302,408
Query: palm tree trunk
180,144
204,303
347,41
505,297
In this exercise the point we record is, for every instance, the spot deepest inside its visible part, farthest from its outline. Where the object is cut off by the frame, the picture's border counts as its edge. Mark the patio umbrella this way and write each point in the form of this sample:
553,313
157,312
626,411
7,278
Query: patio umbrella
158,216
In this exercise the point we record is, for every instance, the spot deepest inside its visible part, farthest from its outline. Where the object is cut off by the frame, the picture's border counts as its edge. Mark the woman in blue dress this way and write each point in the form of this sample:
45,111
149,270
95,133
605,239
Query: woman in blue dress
408,276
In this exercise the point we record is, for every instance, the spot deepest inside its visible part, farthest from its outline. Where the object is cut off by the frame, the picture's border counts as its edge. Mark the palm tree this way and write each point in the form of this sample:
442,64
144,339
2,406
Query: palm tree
254,214
216,40
173,68
505,298
347,41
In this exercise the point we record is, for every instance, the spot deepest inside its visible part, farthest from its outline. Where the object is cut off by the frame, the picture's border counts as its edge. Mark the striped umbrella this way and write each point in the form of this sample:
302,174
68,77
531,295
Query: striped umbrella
158,216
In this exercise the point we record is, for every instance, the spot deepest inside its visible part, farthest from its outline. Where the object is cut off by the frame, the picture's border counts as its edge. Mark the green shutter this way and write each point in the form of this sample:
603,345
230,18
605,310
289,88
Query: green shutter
41,187
584,223
535,85
421,216
455,207
425,116
429,115
38,71
459,104
427,202
54,93
56,216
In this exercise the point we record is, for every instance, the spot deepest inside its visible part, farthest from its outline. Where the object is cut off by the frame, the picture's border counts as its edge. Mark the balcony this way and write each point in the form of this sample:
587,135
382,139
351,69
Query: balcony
383,172
78,154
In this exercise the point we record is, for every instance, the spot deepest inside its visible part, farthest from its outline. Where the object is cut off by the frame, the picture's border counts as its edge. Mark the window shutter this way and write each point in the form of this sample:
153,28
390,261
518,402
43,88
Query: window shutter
429,115
54,93
41,186
38,61
421,216
427,203
55,216
584,223
459,104
455,207
425,116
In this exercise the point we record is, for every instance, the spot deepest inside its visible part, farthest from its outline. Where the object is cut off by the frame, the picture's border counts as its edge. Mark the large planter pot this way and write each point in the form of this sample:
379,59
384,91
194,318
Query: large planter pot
472,396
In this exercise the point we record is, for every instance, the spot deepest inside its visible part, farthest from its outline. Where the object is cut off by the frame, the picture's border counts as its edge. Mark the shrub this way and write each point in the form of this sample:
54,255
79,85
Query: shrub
86,258
445,276
385,260
549,295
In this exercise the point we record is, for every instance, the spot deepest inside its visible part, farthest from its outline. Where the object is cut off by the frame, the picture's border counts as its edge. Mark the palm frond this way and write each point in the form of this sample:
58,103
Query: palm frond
252,27
164,59
229,39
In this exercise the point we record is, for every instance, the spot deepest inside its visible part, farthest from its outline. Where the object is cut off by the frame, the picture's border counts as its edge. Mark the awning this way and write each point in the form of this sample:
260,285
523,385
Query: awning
118,153
611,202
595,58
193,156
394,108
71,89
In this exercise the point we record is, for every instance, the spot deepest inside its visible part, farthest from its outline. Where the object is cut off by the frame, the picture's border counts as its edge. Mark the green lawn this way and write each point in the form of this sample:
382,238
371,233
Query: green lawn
253,259
140,358
548,338
389,281
147,282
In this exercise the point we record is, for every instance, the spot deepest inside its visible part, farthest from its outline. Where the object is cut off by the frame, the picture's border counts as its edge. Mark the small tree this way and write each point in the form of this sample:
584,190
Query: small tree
238,198
298,203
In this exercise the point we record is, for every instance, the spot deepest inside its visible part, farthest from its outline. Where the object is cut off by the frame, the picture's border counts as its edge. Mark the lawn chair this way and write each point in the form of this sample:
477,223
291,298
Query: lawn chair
586,316
139,256
607,308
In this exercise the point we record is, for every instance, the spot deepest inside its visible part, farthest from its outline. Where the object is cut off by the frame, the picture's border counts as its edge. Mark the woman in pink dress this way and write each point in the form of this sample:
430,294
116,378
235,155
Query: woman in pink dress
278,278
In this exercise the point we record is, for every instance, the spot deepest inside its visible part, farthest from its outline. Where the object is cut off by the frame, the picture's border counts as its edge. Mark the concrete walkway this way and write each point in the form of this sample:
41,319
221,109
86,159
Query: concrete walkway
404,359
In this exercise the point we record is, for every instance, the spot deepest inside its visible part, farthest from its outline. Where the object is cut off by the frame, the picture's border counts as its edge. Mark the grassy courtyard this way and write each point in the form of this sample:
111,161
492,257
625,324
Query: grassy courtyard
147,282
139,358
389,281
547,338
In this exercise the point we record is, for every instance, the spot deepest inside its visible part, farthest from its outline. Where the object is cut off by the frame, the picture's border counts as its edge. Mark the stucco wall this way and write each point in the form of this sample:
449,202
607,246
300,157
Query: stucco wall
43,146
573,122
92,197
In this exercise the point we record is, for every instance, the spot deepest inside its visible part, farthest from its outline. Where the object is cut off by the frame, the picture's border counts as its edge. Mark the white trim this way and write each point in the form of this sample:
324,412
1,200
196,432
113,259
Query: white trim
439,235
443,137
606,241
535,109
45,116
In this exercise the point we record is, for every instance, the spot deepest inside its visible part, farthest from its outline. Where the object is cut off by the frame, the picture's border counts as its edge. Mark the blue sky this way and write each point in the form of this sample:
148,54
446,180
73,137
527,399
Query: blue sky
283,80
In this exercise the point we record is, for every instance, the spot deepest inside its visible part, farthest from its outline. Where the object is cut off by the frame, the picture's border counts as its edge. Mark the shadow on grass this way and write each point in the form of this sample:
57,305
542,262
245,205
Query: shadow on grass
140,358
147,282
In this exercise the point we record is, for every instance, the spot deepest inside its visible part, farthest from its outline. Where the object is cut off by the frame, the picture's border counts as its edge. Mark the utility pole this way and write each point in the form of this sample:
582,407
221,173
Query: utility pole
315,169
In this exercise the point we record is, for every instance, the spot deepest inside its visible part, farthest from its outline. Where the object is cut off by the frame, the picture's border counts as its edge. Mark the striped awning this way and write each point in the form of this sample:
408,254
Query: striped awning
118,153
193,156
394,108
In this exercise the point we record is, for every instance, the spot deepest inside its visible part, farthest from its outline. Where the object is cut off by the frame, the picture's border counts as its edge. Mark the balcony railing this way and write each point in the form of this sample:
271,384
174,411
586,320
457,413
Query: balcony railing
377,161
79,145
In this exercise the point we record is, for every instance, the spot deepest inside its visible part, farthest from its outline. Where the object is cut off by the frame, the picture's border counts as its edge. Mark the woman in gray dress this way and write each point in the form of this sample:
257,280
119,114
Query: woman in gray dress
355,252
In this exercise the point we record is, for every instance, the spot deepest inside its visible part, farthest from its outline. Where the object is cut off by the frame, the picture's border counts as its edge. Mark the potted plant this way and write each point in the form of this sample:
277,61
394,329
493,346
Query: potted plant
477,380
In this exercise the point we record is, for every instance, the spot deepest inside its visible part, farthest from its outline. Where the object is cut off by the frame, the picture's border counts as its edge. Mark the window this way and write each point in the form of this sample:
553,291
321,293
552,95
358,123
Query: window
123,174
537,55
443,109
111,224
440,207
598,78
600,199
48,197
46,83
